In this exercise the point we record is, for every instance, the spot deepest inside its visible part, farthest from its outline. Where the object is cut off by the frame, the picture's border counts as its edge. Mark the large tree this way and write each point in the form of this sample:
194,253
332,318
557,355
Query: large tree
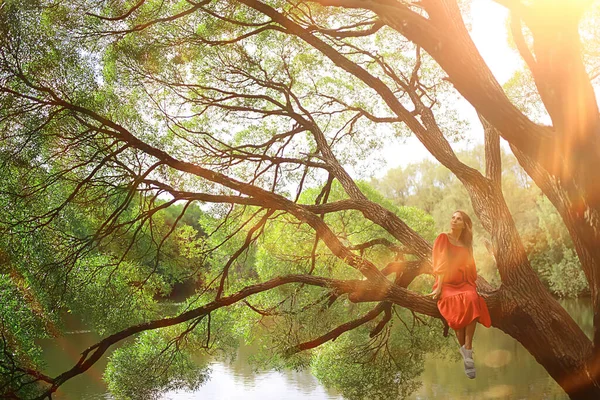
248,104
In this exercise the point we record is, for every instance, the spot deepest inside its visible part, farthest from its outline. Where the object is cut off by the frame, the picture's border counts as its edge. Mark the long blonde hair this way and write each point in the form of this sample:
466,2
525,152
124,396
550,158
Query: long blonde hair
466,236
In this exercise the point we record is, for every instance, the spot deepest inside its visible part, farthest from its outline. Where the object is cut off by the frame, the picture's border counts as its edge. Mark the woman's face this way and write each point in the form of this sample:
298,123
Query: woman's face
457,222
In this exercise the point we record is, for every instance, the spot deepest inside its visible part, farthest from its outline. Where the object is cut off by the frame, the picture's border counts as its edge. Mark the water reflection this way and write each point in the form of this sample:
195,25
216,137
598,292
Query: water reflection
62,353
505,370
238,380
497,358
228,381
225,384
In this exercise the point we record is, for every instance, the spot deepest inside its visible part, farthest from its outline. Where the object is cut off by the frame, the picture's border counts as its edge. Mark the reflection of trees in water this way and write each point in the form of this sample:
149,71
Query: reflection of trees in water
247,374
582,312
240,366
505,369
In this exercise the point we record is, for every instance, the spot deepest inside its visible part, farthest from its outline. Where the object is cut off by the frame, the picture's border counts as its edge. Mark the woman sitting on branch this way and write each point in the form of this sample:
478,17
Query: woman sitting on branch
454,288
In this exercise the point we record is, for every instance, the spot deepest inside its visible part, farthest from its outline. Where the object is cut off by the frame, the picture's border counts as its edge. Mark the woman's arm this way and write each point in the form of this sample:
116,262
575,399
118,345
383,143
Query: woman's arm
437,291
440,255
439,263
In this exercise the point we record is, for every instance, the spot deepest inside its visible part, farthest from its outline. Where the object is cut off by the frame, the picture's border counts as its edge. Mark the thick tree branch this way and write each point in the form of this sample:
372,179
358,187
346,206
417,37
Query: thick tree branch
433,140
374,242
493,160
346,31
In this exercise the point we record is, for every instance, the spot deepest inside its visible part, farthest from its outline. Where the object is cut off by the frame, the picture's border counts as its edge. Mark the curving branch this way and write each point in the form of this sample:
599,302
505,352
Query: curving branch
140,27
122,16
348,32
335,333
379,241
443,35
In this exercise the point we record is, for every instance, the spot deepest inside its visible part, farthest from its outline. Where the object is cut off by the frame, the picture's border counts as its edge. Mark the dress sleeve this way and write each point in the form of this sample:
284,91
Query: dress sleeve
440,254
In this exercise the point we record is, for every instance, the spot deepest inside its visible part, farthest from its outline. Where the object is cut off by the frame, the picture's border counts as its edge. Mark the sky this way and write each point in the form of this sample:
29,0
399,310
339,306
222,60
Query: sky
489,32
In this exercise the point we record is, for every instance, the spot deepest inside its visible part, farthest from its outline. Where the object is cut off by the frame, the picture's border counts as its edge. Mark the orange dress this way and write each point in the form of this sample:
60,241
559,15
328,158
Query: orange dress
459,302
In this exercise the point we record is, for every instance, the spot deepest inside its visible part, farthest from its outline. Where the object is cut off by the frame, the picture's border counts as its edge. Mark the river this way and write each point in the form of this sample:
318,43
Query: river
505,370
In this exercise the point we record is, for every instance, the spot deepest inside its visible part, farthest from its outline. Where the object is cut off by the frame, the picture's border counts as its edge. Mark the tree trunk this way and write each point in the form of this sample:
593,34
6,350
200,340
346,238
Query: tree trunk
545,329
526,310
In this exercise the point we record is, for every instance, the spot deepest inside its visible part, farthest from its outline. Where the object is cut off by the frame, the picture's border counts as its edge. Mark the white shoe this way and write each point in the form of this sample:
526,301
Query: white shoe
468,362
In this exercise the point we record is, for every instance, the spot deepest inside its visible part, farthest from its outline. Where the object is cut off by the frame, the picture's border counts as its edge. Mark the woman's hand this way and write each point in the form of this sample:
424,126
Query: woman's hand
436,293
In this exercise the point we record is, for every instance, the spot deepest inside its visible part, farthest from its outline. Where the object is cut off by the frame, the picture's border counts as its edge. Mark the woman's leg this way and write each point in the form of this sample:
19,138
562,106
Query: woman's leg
460,335
469,333
467,350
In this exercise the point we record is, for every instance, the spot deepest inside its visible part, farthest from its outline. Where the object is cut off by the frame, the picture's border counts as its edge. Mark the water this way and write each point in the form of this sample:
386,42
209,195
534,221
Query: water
227,384
228,381
505,370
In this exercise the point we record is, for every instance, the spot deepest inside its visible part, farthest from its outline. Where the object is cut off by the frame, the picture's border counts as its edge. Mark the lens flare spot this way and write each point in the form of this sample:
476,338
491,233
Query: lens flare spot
499,392
497,358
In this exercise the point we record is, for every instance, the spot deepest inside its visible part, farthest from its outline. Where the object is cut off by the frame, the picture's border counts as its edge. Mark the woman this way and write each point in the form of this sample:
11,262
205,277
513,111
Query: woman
454,288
